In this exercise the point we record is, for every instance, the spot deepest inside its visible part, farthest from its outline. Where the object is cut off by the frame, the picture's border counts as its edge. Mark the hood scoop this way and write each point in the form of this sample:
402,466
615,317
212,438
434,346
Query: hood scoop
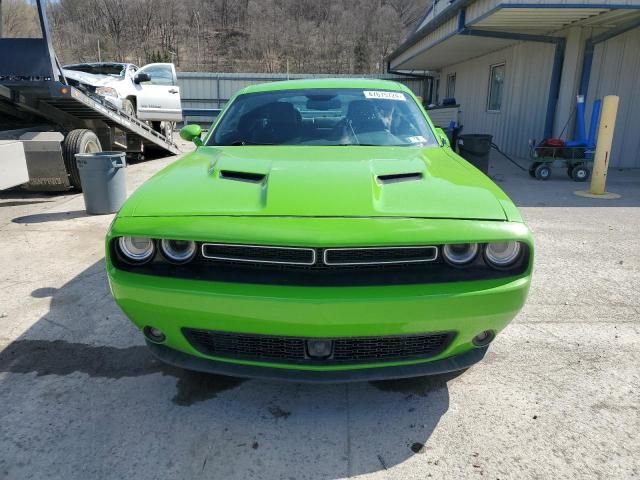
399,177
242,176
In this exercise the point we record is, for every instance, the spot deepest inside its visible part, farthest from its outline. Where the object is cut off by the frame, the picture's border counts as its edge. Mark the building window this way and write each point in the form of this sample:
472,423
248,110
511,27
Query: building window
496,86
451,85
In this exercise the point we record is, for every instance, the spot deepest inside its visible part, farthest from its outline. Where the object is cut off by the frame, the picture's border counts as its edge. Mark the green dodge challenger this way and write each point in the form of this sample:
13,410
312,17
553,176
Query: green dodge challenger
323,230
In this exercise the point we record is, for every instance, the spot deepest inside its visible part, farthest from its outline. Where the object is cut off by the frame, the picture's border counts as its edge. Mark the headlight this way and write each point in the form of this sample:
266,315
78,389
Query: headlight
502,254
178,251
107,92
136,249
460,253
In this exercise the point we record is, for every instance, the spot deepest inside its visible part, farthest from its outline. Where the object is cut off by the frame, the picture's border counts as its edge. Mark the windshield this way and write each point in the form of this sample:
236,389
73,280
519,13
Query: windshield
324,117
112,69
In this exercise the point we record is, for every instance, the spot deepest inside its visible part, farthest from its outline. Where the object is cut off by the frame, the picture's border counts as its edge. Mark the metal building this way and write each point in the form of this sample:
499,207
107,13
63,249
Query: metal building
516,66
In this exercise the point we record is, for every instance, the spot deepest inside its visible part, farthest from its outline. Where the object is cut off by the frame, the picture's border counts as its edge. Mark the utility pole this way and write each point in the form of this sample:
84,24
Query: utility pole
197,17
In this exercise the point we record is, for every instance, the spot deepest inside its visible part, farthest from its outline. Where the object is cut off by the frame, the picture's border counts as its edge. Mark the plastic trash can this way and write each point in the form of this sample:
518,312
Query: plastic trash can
475,149
103,180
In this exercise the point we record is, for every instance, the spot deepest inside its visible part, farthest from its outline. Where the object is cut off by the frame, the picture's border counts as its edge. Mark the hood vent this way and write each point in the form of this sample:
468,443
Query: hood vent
242,176
400,177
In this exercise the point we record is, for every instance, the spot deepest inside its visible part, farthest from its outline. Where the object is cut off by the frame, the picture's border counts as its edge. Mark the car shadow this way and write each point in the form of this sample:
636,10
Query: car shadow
50,217
82,393
20,203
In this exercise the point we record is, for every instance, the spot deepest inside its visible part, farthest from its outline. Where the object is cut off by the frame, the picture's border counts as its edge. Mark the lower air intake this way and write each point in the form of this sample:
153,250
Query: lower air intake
293,349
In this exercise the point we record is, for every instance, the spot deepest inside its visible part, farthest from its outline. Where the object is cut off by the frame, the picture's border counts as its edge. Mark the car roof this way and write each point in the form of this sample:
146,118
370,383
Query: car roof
312,83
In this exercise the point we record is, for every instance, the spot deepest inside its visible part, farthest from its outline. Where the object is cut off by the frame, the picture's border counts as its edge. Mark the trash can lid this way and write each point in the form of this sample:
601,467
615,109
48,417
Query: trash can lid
101,160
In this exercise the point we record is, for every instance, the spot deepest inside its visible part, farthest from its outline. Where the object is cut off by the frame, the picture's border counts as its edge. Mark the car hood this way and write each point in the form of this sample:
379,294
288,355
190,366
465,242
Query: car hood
337,181
90,78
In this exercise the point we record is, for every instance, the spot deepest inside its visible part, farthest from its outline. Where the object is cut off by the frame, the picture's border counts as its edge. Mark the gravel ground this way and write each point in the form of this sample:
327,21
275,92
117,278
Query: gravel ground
556,397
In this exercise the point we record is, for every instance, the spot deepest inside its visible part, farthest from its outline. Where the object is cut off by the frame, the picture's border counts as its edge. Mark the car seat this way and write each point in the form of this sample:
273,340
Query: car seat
363,117
274,123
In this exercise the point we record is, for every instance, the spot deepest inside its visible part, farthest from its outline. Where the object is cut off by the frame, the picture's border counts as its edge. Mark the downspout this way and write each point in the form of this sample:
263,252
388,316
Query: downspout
554,88
587,62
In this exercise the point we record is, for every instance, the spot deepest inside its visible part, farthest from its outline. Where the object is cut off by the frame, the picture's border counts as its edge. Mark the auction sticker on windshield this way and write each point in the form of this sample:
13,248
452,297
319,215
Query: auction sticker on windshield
384,95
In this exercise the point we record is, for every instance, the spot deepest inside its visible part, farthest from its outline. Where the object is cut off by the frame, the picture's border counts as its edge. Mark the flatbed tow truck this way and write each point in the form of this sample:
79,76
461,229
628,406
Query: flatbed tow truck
45,121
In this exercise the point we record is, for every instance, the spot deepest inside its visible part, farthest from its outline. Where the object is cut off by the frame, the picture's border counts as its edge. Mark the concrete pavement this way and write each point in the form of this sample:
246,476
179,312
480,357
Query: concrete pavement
556,397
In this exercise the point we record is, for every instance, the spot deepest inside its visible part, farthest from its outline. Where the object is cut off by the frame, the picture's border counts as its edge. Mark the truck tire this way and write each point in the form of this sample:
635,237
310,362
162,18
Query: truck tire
167,130
78,141
129,108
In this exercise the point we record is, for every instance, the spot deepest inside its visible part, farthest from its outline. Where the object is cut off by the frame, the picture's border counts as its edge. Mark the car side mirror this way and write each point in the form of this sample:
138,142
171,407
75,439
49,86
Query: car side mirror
443,139
192,133
141,77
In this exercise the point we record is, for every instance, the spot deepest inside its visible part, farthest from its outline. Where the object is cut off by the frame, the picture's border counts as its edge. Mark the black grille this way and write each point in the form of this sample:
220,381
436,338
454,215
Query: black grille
364,256
295,266
260,254
293,349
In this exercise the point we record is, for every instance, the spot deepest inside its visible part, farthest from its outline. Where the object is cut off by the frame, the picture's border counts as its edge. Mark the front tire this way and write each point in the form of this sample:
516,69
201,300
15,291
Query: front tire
129,108
78,141
168,130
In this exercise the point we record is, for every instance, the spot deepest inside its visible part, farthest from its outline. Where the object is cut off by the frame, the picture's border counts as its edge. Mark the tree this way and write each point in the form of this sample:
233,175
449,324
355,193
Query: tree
330,36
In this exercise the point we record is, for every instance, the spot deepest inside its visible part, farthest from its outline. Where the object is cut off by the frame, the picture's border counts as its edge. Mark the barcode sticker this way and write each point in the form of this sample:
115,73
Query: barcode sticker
380,95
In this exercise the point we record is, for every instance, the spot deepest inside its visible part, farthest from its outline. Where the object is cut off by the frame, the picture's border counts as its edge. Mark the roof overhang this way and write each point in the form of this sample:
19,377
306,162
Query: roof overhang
544,19
451,50
428,50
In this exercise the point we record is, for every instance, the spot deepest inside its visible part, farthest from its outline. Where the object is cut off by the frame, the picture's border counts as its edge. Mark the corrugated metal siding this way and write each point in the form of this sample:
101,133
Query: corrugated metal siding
615,71
212,90
442,117
524,102
436,8
480,7
446,29
476,9
575,2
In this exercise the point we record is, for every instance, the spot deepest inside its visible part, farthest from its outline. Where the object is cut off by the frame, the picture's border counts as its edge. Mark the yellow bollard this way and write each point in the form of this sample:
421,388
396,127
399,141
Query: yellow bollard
603,146
603,150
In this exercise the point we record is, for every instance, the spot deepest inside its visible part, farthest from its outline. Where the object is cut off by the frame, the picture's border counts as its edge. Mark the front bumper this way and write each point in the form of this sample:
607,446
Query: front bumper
173,304
115,101
189,362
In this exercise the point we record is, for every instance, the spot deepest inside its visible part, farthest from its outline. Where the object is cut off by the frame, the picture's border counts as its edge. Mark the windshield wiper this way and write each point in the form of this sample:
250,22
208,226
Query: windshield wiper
358,145
241,143
353,132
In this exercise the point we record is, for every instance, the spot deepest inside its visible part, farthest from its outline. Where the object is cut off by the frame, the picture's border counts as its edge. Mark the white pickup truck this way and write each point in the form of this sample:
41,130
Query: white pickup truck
150,93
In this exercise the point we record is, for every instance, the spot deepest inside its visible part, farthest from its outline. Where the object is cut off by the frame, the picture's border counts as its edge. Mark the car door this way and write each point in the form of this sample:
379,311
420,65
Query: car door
158,97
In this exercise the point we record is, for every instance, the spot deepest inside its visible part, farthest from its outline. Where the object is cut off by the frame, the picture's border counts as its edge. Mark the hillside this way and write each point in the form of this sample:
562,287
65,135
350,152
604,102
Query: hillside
329,36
